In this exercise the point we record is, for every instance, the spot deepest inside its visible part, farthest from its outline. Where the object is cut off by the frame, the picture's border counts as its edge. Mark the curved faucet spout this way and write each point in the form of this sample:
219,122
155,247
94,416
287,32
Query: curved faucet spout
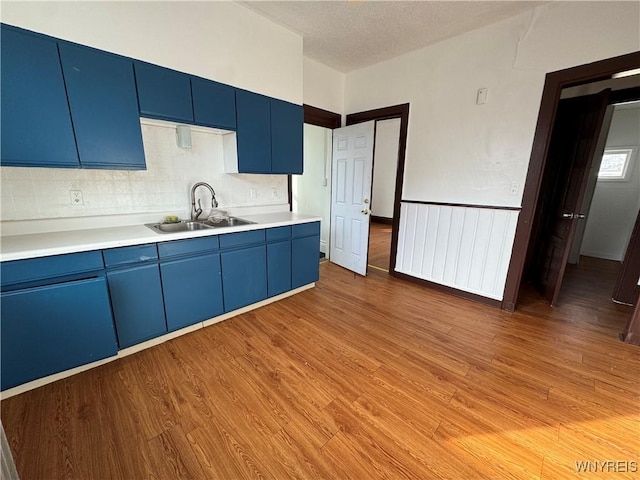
196,212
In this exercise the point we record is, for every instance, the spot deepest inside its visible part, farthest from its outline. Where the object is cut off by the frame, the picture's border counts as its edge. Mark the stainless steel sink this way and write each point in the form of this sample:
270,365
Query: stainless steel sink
190,226
184,226
228,222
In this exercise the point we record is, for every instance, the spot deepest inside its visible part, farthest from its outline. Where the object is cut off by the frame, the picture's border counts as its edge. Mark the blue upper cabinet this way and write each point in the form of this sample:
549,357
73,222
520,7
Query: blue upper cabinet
269,135
163,93
36,123
214,104
287,121
104,107
253,132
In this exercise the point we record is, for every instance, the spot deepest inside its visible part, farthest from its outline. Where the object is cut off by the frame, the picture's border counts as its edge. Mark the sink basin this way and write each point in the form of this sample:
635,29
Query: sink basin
184,226
190,226
228,222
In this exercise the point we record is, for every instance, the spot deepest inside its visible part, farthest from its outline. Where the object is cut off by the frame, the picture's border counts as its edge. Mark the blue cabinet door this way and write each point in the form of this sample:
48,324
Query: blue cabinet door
253,132
163,93
136,299
104,107
192,290
305,260
287,122
46,330
214,104
278,267
36,124
244,276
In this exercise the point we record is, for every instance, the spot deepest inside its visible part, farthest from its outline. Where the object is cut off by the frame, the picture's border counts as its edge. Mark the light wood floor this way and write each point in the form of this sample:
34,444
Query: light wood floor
360,377
379,245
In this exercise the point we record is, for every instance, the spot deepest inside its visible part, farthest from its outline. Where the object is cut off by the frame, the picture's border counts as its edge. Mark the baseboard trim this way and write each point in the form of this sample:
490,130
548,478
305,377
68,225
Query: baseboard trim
449,290
385,220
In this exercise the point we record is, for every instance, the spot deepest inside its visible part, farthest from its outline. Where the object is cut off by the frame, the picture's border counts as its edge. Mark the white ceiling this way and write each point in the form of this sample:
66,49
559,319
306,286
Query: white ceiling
351,34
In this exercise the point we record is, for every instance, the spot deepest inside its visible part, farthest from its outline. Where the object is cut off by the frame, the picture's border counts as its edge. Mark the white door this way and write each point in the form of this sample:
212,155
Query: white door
351,195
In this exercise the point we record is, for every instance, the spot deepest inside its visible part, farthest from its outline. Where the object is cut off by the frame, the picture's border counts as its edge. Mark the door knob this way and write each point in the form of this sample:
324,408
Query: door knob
366,200
574,216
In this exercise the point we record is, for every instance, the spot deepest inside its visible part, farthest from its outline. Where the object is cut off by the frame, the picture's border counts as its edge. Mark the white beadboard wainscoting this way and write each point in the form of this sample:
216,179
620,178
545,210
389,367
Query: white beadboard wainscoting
462,247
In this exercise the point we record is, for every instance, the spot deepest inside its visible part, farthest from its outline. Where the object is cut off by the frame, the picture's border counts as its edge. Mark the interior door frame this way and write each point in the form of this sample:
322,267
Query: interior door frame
320,118
402,112
554,83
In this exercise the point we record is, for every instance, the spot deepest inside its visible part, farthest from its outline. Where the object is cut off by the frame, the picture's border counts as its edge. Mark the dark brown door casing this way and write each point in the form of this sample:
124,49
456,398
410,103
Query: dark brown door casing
573,145
627,289
554,83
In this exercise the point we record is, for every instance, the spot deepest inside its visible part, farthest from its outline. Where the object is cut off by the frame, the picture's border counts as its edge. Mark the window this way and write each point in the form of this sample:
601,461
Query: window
615,164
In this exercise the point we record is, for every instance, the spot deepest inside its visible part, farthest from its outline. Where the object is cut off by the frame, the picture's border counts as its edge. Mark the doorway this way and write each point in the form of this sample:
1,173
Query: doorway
310,193
385,163
554,84
589,280
391,140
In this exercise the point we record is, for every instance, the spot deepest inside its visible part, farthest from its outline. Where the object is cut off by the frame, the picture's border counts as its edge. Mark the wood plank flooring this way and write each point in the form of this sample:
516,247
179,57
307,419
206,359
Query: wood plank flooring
379,245
358,378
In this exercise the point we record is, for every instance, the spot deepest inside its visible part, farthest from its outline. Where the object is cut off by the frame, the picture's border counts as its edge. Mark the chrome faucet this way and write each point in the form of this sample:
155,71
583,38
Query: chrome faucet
196,212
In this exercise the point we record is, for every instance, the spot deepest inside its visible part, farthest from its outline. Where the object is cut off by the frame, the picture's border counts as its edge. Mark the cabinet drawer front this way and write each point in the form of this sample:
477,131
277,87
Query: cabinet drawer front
239,239
278,233
20,271
306,229
46,330
190,245
128,255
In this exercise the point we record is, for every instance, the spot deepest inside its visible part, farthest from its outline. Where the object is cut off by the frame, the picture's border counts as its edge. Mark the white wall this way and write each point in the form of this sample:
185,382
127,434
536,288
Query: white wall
323,86
615,204
385,163
460,152
310,194
221,41
164,187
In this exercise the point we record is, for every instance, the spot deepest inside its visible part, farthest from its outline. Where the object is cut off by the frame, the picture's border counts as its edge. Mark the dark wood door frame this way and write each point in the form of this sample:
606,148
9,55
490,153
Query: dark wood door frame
320,118
554,83
401,112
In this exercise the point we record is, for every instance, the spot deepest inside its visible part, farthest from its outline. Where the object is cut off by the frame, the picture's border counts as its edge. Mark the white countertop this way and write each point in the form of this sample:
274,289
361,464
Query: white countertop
18,247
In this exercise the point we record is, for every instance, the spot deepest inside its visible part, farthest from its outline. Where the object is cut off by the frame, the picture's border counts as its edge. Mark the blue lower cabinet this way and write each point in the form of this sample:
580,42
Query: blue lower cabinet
138,308
278,267
305,260
46,330
192,290
244,276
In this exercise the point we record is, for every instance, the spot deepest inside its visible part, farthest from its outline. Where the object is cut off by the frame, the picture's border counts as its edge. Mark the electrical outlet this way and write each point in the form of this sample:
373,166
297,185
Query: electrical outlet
514,188
253,193
76,197
274,192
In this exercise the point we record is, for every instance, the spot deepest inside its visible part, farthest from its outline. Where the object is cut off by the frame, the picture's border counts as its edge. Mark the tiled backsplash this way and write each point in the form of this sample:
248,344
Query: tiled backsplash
38,193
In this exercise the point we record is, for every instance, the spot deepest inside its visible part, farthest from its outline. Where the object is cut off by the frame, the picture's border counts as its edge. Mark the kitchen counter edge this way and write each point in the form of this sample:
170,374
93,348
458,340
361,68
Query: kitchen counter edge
21,247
